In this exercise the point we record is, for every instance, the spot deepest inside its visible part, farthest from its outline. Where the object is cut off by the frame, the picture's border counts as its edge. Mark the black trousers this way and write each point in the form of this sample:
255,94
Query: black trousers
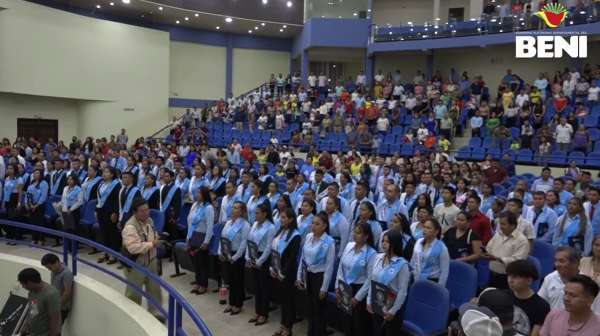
317,322
36,217
359,323
13,232
110,232
288,304
393,328
235,279
201,266
497,280
63,315
262,282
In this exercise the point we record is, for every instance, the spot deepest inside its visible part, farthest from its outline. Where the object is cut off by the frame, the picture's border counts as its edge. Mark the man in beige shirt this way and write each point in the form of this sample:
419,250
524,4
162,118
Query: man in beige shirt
140,240
506,246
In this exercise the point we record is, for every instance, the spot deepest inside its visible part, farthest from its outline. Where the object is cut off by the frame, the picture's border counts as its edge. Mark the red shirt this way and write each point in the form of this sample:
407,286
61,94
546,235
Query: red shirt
344,95
560,103
481,225
497,176
361,112
246,152
349,107
326,162
373,112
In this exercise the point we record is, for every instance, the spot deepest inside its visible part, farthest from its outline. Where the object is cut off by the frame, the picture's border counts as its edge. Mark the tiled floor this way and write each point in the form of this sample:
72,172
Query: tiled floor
207,306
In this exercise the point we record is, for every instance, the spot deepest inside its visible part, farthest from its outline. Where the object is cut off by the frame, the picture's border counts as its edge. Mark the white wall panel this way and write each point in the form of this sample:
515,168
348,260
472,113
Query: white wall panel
407,62
253,67
396,11
197,71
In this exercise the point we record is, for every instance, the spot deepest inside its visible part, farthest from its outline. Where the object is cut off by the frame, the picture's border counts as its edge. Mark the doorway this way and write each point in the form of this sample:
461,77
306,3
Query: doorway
40,129
456,15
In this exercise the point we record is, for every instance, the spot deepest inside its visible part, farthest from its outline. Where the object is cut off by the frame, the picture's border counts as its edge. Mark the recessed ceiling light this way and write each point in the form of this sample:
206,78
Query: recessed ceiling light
280,30
186,19
250,31
159,8
142,16
263,24
355,14
196,14
218,27
340,17
368,10
289,4
228,19
255,27
112,3
265,1
125,1
98,6
177,22
284,26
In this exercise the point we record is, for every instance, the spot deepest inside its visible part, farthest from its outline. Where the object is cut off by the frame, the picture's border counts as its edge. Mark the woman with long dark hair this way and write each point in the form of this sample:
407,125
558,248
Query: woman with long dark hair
287,243
308,210
430,259
398,222
151,192
37,193
273,194
217,181
258,192
200,233
261,234
72,202
107,213
390,270
574,228
13,194
315,272
355,269
487,196
235,233
367,214
283,203
90,184
133,168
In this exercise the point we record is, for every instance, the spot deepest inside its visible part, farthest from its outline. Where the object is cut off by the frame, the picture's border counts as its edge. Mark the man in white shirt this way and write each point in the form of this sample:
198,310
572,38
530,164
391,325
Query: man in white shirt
593,92
515,206
544,183
418,78
183,150
361,79
312,80
322,82
284,154
15,154
562,134
521,98
379,77
387,171
446,212
574,73
236,146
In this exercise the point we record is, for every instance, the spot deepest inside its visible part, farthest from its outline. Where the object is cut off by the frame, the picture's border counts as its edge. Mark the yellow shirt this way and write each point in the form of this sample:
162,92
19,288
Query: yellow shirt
262,159
507,97
534,97
279,174
355,169
368,104
377,91
445,144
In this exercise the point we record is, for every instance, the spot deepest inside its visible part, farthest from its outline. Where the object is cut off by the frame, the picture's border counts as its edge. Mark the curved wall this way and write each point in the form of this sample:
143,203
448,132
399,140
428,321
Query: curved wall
97,309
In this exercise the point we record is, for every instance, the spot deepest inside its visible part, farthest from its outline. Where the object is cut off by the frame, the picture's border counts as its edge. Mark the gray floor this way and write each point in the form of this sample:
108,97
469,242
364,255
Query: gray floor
207,306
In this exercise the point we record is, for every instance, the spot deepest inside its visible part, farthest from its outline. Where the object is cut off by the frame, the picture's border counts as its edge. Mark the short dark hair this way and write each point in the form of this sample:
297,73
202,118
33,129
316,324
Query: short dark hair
590,287
522,268
511,218
29,275
517,202
138,202
50,259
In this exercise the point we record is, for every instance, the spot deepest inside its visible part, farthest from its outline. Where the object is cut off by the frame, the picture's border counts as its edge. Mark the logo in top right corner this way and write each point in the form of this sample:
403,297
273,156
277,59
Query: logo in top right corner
552,14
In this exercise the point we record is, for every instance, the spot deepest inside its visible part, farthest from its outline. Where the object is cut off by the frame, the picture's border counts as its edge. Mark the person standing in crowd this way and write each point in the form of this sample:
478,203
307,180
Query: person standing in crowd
355,268
107,213
140,240
90,184
62,279
13,196
200,221
127,194
233,262
462,242
506,246
44,305
315,271
72,201
122,138
445,213
37,193
574,229
170,204
261,234
430,259
287,244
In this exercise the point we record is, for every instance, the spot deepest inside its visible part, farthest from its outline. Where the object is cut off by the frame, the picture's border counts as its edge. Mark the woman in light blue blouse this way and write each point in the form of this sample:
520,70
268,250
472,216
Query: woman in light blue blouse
37,193
356,266
259,191
430,259
261,234
200,233
390,270
553,202
367,214
487,196
235,233
72,201
574,229
283,203
183,182
339,229
315,271
307,212
13,194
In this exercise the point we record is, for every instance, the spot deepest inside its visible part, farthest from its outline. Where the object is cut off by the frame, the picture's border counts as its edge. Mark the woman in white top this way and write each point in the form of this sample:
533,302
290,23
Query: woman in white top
13,194
569,85
72,201
368,215
260,240
199,238
423,215
430,260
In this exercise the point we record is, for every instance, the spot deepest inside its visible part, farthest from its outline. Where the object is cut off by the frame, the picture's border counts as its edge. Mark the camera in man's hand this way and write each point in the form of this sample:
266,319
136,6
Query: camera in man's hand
165,239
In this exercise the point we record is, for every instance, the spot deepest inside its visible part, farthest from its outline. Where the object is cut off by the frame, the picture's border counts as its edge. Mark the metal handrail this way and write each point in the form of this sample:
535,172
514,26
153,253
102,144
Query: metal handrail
177,303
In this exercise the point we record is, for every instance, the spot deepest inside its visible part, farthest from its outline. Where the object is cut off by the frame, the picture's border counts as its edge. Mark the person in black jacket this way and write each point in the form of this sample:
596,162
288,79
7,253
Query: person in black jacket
126,196
170,204
287,243
107,213
59,177
151,192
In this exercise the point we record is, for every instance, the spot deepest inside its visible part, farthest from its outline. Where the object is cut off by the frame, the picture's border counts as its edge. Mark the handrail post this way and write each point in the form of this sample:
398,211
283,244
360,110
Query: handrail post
74,246
171,317
178,316
66,251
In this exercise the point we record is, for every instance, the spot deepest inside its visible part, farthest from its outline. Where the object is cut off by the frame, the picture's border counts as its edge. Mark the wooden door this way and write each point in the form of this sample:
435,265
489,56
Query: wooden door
41,129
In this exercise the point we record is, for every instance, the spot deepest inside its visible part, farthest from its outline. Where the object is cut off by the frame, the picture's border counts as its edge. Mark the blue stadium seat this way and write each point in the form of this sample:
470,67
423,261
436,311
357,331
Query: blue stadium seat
487,143
218,125
498,188
590,121
427,308
593,159
475,143
464,153
544,253
390,139
158,218
558,158
408,120
525,155
596,111
397,130
536,284
578,157
515,132
406,150
483,132
478,154
483,271
495,153
333,137
462,283
594,134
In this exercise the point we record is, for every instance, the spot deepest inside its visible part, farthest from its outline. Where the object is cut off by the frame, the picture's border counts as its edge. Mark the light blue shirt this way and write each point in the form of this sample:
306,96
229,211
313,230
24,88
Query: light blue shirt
309,252
547,215
439,269
264,245
541,84
240,240
558,234
206,223
439,111
348,260
74,205
398,285
341,232
39,194
234,157
476,122
541,185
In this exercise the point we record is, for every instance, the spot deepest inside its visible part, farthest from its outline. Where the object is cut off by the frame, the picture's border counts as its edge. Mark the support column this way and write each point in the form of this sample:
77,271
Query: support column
304,68
436,12
429,64
577,64
229,67
370,67
476,10
292,66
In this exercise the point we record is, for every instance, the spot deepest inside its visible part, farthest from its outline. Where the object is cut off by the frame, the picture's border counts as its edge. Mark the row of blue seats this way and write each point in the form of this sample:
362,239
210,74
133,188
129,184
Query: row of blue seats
526,156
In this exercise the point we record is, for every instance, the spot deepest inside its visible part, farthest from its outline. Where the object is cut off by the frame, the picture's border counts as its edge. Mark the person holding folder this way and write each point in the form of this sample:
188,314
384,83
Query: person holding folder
352,285
200,222
315,272
430,260
107,213
389,280
72,201
37,193
232,249
258,255
574,229
284,250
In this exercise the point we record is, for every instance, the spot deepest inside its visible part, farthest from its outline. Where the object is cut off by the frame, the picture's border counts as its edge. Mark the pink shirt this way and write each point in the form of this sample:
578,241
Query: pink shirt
557,324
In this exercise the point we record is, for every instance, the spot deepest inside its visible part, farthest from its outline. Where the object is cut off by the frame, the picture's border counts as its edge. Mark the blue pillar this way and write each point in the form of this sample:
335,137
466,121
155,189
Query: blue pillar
304,68
370,67
429,64
577,64
292,66
229,66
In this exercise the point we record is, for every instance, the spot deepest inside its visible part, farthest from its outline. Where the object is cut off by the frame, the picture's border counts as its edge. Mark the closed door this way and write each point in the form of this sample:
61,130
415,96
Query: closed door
40,129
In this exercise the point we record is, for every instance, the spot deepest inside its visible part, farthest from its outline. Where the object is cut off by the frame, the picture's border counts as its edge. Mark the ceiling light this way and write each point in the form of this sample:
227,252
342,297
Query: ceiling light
177,22
265,1
250,31
284,26
340,17
112,3
186,19
98,6
255,27
228,19
437,19
280,30
159,8
368,10
142,16
196,14
263,23
408,23
217,27
125,1
355,14
289,4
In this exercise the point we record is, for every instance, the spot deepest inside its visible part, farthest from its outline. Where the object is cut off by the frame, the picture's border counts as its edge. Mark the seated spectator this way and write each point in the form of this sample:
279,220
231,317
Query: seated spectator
476,321
430,141
500,303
